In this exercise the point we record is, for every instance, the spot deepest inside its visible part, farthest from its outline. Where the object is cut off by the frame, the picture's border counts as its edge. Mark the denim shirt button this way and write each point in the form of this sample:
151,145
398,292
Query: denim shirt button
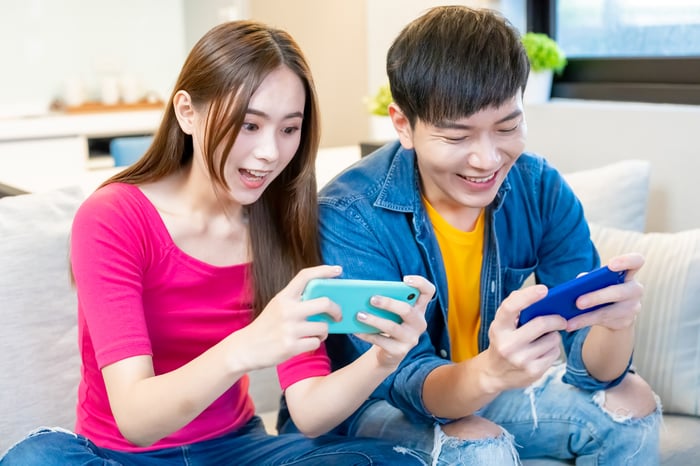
443,353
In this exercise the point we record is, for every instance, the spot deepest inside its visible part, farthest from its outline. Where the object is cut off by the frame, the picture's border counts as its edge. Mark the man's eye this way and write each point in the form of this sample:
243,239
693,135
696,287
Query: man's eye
509,130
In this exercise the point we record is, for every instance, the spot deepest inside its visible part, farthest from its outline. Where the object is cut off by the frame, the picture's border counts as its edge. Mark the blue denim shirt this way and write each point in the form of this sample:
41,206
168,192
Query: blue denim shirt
374,224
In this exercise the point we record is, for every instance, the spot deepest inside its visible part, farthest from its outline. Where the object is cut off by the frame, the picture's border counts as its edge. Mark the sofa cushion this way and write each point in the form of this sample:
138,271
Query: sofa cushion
667,353
39,319
614,195
38,334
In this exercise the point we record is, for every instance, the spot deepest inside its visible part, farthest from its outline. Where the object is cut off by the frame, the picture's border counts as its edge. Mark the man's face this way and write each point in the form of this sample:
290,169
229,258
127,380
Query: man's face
464,162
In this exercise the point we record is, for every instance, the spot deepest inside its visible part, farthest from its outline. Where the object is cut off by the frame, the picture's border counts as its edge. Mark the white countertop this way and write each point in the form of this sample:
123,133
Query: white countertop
102,124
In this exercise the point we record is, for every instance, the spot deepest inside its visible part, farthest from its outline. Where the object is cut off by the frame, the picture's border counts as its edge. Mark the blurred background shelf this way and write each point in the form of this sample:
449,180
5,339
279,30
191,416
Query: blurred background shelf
98,107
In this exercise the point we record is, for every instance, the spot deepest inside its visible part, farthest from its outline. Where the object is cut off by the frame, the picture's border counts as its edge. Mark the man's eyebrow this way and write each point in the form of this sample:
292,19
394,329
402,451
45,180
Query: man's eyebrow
260,113
449,124
512,115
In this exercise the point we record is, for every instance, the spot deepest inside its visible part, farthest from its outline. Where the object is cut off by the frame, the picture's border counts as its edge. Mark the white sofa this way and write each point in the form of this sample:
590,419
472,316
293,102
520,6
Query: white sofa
39,364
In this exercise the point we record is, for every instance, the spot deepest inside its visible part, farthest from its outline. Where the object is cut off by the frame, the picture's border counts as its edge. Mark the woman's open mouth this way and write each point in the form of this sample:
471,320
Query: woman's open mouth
253,179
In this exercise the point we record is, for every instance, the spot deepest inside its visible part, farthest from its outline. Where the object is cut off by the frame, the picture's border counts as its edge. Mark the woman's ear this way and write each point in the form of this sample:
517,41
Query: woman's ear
401,125
184,111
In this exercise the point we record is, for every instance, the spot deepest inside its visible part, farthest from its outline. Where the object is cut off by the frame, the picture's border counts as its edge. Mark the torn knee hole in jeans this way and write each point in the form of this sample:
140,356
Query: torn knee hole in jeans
620,414
501,446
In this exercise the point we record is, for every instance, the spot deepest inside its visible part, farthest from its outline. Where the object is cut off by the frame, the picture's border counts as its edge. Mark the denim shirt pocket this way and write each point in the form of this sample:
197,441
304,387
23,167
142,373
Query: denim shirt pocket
514,278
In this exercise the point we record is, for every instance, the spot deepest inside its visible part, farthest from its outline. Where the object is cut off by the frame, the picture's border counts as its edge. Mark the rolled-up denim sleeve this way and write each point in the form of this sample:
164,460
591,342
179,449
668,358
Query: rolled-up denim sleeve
404,387
576,372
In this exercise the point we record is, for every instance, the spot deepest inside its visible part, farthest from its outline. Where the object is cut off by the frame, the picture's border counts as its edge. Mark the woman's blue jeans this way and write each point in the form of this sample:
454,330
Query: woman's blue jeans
550,419
250,445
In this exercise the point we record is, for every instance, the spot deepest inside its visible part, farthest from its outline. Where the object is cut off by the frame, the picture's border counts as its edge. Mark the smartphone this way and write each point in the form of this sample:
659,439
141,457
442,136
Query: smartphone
353,296
561,299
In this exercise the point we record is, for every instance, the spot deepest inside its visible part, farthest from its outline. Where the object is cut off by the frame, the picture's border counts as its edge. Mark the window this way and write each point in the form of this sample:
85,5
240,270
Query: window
627,50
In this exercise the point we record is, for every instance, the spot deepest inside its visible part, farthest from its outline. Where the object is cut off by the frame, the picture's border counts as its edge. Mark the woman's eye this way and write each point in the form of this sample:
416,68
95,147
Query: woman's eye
290,130
249,126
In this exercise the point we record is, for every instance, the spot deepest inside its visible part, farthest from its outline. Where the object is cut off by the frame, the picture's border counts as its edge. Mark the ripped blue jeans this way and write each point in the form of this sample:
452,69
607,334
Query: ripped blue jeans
549,419
250,445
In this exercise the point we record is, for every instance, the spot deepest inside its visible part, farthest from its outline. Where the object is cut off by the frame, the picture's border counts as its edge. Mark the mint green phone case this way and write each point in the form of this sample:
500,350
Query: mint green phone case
353,296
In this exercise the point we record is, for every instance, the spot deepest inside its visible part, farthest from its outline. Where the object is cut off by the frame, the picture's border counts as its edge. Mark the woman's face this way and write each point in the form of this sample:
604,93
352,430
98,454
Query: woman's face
269,136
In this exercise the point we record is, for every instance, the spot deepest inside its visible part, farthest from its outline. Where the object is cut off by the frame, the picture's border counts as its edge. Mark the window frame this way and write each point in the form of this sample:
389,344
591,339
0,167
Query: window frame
674,80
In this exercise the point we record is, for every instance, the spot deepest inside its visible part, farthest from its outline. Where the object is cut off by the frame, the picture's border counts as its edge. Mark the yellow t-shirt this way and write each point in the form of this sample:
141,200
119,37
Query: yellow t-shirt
462,253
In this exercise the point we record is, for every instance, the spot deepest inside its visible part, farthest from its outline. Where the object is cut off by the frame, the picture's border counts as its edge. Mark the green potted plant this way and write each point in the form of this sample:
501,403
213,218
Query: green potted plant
544,53
546,58
380,125
379,103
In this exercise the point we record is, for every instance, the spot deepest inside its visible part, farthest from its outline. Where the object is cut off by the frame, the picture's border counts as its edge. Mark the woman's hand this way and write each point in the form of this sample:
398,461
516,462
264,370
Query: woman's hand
395,340
282,330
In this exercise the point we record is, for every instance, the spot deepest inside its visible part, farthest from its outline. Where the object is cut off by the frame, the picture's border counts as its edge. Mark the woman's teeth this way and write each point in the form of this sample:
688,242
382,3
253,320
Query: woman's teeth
253,174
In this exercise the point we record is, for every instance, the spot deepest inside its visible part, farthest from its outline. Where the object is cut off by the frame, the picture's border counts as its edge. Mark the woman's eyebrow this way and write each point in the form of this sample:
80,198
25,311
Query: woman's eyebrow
260,113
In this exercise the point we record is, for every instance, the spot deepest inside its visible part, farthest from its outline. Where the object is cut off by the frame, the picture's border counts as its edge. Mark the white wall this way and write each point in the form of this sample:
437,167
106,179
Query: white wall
576,135
386,19
332,34
202,15
46,42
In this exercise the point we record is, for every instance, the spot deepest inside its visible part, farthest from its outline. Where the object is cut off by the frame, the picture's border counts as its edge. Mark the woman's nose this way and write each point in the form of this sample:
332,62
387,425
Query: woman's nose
267,147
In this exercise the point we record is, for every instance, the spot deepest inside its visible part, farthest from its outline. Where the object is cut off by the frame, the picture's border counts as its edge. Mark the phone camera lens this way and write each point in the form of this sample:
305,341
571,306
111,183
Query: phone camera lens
411,296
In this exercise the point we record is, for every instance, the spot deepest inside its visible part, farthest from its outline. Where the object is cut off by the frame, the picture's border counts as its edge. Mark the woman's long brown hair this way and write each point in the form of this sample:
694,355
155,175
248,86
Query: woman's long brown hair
223,70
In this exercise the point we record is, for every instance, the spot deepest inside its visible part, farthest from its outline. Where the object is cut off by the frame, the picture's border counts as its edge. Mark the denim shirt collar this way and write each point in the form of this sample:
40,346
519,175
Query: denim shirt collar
407,197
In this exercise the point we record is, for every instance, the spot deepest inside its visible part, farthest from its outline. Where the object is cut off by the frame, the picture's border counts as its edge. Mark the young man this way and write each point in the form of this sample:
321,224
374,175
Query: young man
457,201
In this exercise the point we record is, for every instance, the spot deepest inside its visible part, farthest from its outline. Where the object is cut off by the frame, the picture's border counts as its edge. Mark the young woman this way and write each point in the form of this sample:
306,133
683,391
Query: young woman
189,267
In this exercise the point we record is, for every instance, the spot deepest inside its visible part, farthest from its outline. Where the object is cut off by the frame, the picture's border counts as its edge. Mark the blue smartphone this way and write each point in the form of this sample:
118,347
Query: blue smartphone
561,299
353,296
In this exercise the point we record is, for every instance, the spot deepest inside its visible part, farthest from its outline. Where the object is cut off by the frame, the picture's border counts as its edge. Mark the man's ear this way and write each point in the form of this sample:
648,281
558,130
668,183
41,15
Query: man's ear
401,125
184,111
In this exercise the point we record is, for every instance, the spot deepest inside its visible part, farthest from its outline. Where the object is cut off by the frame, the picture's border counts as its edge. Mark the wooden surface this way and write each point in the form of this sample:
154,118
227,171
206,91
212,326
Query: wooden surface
94,107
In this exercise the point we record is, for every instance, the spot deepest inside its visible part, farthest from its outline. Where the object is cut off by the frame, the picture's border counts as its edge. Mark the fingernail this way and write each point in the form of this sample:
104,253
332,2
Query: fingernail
361,316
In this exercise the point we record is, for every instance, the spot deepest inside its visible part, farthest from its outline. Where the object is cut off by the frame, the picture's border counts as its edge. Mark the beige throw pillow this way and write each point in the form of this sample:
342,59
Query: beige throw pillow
667,350
614,195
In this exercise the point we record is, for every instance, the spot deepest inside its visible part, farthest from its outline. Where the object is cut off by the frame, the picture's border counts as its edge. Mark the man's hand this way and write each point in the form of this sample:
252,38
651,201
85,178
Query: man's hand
625,298
516,357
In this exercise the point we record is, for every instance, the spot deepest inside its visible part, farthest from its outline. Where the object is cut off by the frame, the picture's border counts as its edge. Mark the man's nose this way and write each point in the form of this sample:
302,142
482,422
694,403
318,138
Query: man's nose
484,153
